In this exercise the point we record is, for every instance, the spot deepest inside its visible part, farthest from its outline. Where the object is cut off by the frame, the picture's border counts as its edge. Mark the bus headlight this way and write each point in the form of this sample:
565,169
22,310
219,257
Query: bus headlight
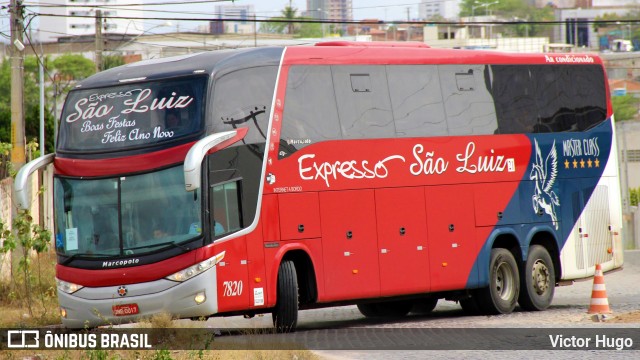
67,287
200,298
196,269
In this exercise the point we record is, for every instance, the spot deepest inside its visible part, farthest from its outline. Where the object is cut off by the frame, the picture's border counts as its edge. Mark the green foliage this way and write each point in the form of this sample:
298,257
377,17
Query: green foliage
28,238
310,30
111,61
624,19
300,30
66,70
634,196
99,354
162,354
6,167
624,107
71,68
515,10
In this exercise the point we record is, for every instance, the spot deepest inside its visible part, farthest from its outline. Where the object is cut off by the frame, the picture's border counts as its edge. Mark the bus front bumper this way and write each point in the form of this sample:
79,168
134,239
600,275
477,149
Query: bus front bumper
91,307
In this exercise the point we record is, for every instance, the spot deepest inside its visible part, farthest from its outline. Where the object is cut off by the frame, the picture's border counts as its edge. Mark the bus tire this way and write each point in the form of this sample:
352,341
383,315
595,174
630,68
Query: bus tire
424,305
504,284
369,310
537,285
285,314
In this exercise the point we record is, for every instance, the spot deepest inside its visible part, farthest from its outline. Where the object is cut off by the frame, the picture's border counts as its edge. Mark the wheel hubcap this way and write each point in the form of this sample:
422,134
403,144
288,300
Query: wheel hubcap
540,277
504,284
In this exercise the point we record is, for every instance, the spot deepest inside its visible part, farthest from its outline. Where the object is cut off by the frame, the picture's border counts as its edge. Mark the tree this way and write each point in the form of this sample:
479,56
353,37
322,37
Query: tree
310,30
289,13
514,10
31,104
285,24
111,61
65,70
70,68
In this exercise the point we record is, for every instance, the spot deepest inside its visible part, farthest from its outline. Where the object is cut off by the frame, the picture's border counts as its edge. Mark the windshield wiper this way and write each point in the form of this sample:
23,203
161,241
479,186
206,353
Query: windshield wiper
168,243
72,257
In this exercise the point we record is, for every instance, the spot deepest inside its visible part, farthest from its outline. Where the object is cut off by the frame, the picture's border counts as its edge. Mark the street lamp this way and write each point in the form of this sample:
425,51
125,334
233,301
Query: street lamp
321,17
478,4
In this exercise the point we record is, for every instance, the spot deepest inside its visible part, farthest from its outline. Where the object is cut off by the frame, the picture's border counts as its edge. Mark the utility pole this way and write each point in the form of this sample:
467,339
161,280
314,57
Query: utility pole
17,85
408,24
99,42
255,31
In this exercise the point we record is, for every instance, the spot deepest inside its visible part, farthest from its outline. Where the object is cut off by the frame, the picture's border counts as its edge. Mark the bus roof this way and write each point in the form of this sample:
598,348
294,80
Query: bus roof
336,52
377,53
183,65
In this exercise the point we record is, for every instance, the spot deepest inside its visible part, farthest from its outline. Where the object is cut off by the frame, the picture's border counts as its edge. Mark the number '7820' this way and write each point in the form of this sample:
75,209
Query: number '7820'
232,288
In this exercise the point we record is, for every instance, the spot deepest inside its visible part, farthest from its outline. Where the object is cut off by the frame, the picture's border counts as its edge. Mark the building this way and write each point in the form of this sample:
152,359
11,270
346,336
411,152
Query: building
577,28
77,18
316,9
446,9
243,16
337,10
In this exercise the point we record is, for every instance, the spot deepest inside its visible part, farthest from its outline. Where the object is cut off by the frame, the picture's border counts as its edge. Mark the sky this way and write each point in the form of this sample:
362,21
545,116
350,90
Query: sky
388,10
362,9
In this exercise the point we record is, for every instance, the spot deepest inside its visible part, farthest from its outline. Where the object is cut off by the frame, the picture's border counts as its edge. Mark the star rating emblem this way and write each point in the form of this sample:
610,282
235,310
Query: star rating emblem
582,163
597,162
589,163
575,163
566,164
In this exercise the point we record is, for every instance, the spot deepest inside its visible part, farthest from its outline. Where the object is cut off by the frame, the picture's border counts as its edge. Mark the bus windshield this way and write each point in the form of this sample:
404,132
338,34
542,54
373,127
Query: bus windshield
124,215
132,115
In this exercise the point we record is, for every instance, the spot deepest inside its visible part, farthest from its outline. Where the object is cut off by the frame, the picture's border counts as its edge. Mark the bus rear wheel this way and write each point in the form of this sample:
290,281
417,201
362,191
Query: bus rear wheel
504,284
538,281
285,314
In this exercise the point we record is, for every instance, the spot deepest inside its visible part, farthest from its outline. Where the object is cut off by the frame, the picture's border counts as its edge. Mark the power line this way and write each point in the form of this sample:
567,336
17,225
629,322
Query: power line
51,5
360,22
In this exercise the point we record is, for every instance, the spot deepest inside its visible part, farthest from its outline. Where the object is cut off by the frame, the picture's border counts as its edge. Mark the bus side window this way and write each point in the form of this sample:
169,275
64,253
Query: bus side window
569,97
515,99
310,113
416,99
225,208
364,106
468,104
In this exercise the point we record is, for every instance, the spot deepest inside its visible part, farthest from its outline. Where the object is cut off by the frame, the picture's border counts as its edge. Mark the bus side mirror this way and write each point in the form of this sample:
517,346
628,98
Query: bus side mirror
193,160
21,185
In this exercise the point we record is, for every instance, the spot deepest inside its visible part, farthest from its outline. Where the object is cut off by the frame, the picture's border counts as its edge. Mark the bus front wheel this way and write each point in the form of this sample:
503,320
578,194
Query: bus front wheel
504,284
285,314
538,281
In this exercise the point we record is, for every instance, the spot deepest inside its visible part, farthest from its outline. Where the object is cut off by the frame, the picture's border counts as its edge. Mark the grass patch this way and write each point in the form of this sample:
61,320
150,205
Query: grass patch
43,298
161,355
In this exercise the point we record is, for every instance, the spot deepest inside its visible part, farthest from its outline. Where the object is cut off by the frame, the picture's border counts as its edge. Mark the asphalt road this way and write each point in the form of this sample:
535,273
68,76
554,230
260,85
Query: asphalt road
476,337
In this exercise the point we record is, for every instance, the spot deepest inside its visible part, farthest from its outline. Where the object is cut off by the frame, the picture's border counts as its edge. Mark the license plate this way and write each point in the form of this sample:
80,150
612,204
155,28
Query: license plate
126,309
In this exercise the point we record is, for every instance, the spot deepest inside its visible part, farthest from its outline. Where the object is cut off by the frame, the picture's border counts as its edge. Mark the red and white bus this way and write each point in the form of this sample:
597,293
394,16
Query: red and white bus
271,180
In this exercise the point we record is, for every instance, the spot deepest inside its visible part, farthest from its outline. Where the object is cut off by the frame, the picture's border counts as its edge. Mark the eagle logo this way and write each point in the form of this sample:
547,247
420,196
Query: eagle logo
544,173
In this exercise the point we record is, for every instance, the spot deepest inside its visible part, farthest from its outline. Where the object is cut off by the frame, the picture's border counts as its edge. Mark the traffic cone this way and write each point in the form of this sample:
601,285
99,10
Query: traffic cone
599,302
